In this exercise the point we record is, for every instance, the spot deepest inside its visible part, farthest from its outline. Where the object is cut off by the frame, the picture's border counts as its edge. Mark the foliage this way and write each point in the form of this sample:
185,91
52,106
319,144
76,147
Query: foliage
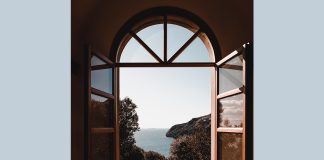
191,147
128,121
151,155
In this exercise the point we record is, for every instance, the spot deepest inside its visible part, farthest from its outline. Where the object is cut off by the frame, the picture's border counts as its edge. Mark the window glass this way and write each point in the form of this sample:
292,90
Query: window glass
195,52
153,37
102,80
177,37
135,52
230,112
231,75
229,146
102,112
96,61
102,146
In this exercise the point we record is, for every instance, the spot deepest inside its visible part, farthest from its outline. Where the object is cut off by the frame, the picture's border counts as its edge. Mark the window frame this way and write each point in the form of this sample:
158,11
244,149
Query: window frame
115,64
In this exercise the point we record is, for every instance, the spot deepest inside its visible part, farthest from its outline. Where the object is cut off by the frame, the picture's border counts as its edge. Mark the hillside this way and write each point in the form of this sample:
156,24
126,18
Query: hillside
190,127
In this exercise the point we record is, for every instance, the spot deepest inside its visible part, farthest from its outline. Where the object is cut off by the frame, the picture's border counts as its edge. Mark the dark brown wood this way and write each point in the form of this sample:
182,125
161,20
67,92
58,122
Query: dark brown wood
230,130
230,56
101,93
139,40
102,57
165,65
192,38
165,38
248,57
87,103
230,93
102,130
244,112
117,111
103,66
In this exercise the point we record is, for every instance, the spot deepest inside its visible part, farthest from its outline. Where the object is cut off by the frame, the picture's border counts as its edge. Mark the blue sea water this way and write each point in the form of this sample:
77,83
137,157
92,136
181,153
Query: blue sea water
154,140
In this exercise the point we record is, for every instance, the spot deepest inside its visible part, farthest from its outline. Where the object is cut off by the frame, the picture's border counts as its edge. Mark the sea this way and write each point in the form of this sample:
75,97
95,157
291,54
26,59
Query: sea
154,139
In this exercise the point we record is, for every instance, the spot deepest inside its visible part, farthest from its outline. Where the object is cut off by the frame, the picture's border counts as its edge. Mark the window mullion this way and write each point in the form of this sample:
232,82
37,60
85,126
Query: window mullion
165,28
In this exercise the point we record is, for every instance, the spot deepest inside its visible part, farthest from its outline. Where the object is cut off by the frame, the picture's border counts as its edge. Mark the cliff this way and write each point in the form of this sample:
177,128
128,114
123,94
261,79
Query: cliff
195,124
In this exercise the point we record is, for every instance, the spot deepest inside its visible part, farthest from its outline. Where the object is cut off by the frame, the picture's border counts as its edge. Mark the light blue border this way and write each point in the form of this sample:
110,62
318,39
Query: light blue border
289,78
35,80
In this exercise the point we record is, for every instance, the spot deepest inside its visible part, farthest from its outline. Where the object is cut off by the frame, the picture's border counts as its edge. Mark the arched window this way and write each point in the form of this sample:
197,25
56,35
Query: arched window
165,39
167,43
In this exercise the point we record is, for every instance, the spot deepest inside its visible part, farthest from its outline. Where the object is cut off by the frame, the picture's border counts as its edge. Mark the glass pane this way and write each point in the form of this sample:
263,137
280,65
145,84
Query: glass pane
238,60
135,52
102,80
229,146
177,36
102,112
231,75
96,61
195,52
230,112
102,147
153,37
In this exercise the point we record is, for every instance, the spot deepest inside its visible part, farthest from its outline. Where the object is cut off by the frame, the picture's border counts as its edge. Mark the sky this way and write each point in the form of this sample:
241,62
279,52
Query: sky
166,96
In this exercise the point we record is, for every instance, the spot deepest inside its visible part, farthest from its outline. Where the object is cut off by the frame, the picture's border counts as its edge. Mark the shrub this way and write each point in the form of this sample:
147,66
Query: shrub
191,147
151,155
128,123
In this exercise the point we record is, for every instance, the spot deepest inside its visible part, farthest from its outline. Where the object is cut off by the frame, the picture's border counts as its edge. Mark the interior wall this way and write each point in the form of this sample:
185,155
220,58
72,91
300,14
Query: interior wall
97,22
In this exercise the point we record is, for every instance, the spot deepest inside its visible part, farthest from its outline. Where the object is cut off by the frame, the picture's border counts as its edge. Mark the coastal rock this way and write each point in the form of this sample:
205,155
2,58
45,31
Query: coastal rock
195,124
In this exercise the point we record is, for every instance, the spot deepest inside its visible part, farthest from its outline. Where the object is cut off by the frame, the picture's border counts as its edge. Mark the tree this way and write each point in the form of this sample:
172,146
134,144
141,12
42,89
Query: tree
151,155
128,121
192,147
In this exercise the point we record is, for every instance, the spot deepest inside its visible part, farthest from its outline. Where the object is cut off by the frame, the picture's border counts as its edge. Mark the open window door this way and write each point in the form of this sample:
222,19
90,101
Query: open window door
232,117
101,113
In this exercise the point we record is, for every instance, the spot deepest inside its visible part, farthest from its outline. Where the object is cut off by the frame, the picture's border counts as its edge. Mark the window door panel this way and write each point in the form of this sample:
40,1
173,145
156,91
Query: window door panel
101,112
233,93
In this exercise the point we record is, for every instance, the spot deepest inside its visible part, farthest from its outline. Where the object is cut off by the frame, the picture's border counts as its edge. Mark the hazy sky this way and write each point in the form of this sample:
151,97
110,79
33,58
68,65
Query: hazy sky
166,96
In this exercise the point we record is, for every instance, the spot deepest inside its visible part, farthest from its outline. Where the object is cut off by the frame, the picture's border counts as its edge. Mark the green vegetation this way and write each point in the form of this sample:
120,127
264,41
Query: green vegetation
191,147
128,126
151,155
194,146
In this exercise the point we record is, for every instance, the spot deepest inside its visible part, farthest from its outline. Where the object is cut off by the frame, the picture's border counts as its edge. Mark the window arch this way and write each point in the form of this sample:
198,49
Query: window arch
174,39
165,15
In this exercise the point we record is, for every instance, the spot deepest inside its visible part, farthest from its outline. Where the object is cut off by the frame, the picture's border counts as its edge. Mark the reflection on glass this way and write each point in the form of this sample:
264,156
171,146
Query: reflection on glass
102,112
177,37
230,112
229,146
102,80
195,52
96,61
238,60
231,75
153,37
135,52
102,147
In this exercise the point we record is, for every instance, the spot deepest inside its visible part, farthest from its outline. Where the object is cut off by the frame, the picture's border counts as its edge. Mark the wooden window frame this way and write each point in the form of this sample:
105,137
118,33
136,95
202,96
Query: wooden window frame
246,89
